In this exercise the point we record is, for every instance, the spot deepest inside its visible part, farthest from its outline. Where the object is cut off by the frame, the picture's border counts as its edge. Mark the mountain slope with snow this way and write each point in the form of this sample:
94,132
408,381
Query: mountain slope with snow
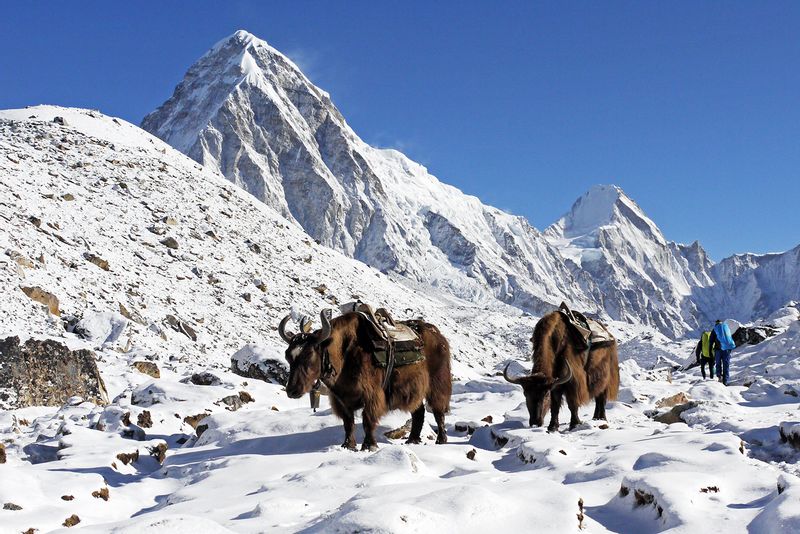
246,110
636,269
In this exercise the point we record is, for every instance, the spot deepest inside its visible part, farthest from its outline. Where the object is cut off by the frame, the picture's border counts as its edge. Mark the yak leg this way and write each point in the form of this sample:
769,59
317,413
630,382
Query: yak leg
348,418
573,412
600,406
441,435
417,420
555,406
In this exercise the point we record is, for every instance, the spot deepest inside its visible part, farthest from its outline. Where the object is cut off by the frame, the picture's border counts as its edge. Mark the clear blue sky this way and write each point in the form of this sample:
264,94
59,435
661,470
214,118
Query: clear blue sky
692,107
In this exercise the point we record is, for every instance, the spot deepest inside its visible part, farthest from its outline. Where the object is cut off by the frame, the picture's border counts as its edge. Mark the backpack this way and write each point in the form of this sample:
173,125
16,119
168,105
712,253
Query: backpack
705,347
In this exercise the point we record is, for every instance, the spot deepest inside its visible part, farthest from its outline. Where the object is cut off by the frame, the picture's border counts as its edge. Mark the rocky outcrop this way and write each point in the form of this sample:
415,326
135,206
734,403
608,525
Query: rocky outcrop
43,297
47,373
753,335
251,361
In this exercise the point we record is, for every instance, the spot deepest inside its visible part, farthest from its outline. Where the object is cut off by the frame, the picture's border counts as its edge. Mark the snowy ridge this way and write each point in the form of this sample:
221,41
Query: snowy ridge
246,110
271,131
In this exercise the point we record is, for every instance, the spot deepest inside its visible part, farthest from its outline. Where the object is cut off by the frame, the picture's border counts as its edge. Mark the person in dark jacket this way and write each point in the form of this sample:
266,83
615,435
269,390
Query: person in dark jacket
704,353
721,335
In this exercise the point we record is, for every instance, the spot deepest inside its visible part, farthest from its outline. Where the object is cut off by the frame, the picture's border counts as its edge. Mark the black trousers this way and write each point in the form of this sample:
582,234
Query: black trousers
710,363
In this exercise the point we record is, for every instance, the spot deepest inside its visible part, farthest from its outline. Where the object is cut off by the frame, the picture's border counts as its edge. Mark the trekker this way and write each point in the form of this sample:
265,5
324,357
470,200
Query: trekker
721,335
704,353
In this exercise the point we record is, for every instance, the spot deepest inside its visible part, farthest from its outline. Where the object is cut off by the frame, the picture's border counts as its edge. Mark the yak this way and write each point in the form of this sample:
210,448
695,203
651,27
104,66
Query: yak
340,356
559,369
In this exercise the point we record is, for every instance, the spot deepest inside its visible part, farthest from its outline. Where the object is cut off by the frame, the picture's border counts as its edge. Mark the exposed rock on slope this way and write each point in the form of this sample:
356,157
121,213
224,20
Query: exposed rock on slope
47,373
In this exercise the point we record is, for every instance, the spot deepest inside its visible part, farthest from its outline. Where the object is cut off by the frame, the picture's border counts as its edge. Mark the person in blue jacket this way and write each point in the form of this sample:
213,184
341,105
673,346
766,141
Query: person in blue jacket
721,335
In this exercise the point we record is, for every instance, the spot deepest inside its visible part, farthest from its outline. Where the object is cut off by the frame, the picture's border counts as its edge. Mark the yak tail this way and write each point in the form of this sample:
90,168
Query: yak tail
613,379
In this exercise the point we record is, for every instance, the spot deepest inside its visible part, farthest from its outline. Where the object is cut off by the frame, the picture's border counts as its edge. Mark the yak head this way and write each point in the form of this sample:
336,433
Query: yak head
537,388
305,354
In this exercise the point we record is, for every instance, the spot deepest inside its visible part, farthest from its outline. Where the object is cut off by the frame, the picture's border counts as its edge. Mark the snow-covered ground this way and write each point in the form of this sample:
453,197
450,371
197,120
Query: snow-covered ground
106,188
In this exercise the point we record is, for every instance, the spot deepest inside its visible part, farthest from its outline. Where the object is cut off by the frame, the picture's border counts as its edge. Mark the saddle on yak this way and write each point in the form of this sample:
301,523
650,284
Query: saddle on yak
394,343
592,333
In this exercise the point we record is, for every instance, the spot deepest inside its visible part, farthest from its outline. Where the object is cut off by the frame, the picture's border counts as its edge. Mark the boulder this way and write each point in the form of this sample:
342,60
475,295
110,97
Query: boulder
790,433
47,373
753,335
43,297
2,453
253,361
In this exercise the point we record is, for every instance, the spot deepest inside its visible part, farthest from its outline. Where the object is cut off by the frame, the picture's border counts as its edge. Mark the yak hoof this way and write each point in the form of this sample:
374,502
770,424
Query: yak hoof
441,440
414,441
348,444
371,447
552,428
572,425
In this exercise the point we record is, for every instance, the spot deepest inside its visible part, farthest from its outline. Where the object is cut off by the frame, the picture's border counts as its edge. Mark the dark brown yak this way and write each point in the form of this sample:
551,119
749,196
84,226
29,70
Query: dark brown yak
558,370
340,355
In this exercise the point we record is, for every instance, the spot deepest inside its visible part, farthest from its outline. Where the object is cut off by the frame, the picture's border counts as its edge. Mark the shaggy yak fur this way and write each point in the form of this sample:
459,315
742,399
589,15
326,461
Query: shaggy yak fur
559,371
355,382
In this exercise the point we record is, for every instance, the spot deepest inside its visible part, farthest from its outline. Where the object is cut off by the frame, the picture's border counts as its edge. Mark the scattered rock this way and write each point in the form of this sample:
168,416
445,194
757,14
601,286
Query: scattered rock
131,314
710,489
194,420
157,230
674,415
260,285
232,402
604,426
71,521
487,419
169,221
67,497
36,221
200,429
11,506
148,368
101,494
669,402
2,453
128,457
47,373
321,289
43,297
69,197
247,296
97,260
254,247
159,452
471,454
400,432
274,409
170,242
205,379
20,259
63,122
144,419
181,326
246,397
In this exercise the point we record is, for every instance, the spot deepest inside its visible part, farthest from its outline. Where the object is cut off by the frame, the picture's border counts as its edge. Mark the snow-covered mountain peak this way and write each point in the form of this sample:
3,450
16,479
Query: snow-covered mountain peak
604,205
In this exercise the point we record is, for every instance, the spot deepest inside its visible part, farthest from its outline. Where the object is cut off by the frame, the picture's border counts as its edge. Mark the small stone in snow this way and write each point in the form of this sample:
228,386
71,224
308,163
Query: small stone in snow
170,242
11,506
471,454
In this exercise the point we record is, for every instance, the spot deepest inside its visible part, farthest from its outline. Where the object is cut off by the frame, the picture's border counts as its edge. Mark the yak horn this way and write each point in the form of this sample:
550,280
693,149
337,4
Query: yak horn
508,378
286,336
564,379
325,317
